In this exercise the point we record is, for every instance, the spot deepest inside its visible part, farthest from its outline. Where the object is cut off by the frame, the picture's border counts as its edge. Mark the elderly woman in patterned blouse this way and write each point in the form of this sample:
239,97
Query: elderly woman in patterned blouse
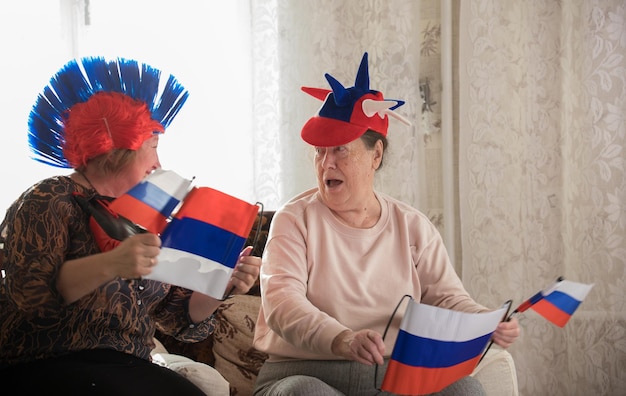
75,319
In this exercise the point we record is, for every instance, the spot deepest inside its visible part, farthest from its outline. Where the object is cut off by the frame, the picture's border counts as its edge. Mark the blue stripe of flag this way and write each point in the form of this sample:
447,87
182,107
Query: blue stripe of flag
418,351
203,239
563,301
534,299
154,197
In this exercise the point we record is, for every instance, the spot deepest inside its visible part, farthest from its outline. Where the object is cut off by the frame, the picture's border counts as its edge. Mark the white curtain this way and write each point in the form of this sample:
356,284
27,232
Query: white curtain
539,141
542,179
205,44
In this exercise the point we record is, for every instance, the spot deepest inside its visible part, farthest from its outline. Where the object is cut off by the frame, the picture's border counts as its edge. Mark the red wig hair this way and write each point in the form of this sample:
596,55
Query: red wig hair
106,121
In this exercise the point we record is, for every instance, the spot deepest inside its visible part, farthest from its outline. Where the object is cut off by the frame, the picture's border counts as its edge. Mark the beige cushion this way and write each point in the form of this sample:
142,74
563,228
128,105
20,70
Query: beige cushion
202,375
235,358
496,372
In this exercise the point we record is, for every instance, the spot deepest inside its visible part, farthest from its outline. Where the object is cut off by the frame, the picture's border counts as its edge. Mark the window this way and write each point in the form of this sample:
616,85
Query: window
204,44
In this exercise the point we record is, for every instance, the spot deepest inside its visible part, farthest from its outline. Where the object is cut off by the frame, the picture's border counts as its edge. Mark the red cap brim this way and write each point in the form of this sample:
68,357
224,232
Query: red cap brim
329,132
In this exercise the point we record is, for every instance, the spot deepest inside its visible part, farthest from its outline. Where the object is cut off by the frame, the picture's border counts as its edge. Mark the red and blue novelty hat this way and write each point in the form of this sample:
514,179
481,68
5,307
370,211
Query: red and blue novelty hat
347,113
95,92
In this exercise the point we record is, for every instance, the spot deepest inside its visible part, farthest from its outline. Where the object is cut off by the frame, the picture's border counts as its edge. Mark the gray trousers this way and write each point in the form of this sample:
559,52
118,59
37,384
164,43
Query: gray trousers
337,377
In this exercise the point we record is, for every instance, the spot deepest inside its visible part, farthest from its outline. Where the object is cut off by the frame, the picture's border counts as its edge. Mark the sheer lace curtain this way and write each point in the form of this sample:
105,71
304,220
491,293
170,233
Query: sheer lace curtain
294,44
542,179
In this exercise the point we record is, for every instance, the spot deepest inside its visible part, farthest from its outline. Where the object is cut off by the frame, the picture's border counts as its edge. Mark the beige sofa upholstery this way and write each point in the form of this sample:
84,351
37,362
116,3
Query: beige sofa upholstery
496,372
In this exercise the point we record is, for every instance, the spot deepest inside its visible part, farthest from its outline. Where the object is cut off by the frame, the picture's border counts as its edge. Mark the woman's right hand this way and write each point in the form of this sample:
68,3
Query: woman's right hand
135,256
364,346
131,259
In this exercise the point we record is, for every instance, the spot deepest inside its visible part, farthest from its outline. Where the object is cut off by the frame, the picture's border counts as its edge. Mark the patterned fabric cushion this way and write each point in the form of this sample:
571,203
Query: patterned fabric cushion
235,358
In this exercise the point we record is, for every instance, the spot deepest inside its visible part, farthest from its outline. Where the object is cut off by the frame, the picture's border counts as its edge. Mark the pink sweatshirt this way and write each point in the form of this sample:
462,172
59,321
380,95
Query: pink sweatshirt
320,276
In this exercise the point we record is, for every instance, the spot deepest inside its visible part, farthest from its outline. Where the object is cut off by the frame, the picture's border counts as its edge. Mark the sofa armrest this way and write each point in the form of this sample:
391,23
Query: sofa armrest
496,372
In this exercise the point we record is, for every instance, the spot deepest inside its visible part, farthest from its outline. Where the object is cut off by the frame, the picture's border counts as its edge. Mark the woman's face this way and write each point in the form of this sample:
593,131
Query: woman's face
345,174
146,160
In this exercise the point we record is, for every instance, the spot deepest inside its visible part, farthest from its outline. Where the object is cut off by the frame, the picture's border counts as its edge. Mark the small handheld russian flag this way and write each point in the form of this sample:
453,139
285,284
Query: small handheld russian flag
558,302
436,347
151,202
202,230
201,245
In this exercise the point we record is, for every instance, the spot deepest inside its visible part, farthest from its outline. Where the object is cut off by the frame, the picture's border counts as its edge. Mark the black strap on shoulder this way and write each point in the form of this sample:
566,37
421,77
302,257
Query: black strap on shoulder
116,226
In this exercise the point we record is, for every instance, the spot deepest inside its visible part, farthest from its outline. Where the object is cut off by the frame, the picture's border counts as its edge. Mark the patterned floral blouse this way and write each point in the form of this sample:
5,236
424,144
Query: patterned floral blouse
44,228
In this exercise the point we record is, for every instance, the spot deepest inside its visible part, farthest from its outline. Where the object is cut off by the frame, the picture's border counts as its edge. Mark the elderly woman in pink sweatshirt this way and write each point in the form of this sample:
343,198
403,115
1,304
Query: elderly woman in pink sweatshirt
341,256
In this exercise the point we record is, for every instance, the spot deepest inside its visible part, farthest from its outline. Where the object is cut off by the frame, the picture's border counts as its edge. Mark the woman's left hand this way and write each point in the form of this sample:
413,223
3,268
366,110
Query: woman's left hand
244,276
246,272
506,333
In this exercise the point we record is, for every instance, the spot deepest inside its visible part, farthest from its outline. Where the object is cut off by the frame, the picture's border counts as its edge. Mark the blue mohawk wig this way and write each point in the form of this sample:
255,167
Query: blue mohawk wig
78,80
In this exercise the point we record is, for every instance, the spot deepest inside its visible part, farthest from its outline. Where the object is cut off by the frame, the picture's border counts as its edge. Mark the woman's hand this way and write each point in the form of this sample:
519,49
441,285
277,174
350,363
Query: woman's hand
135,256
364,346
244,276
246,272
506,333
131,259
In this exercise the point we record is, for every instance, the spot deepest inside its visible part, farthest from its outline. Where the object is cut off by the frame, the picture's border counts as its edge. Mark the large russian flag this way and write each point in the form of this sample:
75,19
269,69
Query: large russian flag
202,243
436,347
151,202
558,305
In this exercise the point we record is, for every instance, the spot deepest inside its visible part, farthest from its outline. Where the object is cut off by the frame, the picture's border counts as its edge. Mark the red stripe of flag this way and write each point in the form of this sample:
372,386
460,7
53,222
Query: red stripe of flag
552,313
409,380
140,213
219,209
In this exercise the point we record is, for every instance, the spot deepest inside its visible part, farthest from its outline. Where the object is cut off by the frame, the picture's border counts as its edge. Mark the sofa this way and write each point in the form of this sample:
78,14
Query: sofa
226,363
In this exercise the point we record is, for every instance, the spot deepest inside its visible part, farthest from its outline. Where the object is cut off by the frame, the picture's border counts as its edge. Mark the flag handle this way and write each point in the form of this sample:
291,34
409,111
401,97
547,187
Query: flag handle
385,334
505,318
254,243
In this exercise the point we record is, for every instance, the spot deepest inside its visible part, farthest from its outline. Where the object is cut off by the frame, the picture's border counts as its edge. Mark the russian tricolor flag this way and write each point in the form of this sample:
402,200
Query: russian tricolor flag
558,303
202,243
436,347
151,202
